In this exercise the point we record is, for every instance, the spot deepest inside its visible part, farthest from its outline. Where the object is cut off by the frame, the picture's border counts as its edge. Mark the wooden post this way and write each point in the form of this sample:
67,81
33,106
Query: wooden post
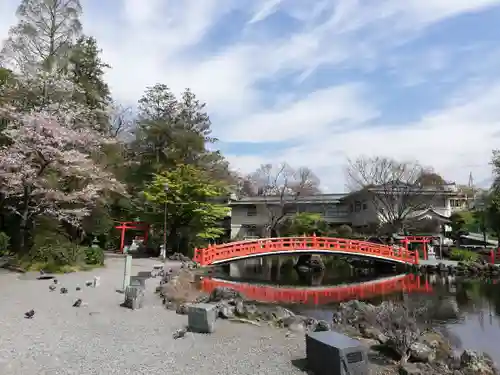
424,244
122,237
492,256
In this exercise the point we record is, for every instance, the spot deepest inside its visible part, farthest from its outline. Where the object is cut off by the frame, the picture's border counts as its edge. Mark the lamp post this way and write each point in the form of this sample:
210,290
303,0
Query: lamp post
165,217
480,207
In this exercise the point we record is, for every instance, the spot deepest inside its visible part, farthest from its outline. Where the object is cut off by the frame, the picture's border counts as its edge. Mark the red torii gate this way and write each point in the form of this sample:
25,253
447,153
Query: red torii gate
424,240
135,225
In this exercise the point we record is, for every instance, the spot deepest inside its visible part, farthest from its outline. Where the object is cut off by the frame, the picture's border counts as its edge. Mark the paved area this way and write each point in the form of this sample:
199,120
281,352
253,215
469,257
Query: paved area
104,338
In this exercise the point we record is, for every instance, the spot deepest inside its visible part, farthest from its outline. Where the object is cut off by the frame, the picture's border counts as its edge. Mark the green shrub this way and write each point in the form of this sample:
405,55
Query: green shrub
463,255
4,243
94,256
58,253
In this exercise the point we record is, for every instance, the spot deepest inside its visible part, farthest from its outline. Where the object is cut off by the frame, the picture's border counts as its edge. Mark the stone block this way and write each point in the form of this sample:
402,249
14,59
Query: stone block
138,281
134,297
201,317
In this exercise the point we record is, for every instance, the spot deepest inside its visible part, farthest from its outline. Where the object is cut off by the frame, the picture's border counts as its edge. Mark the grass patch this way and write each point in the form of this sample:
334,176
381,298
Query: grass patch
27,266
464,255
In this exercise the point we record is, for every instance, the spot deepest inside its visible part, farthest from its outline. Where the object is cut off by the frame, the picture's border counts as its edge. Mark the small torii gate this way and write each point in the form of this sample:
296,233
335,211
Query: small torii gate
135,225
424,240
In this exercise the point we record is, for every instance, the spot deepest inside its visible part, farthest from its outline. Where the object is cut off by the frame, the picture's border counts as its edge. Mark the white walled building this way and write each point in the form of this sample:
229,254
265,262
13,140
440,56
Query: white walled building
249,215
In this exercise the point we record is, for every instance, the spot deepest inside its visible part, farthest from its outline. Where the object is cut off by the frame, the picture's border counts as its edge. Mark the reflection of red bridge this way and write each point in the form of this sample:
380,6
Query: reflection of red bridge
217,254
322,295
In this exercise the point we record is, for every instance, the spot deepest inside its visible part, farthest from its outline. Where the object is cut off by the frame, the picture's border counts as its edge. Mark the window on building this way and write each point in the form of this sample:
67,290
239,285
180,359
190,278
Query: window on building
290,209
357,206
252,211
365,206
251,231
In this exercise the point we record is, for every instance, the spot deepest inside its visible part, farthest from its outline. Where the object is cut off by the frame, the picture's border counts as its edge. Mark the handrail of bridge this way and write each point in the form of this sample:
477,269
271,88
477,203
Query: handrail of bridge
322,295
214,254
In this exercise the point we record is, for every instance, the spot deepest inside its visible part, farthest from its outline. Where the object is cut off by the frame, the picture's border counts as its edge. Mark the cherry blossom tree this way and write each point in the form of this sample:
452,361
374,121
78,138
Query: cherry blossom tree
47,165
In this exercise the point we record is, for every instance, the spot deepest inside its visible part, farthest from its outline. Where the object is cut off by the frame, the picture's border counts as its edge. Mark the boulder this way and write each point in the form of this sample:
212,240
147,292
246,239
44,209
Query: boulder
297,326
419,352
321,325
410,369
182,309
372,333
438,343
239,308
472,363
226,311
224,293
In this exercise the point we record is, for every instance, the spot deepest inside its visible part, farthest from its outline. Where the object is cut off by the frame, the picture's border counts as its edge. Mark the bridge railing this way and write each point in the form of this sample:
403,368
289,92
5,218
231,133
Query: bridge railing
267,246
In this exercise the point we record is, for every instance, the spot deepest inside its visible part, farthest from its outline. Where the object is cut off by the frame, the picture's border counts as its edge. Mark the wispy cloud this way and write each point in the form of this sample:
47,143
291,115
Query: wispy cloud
324,78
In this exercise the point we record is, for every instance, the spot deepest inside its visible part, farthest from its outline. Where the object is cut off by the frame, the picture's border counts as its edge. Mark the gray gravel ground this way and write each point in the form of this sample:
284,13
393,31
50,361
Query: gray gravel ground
104,338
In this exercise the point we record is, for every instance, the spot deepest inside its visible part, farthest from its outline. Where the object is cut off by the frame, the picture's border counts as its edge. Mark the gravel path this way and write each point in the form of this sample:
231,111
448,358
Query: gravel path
104,338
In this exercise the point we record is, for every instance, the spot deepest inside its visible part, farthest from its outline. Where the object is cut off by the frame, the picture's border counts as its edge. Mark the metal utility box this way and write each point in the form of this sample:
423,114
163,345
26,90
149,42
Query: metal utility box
331,353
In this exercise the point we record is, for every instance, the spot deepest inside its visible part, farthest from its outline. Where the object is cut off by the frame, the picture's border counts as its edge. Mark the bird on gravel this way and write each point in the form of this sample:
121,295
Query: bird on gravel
64,290
42,272
180,333
78,303
52,287
30,314
55,281
78,288
89,283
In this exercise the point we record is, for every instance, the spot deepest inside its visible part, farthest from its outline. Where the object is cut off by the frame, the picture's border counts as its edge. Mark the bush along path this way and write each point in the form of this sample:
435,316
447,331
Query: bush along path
399,337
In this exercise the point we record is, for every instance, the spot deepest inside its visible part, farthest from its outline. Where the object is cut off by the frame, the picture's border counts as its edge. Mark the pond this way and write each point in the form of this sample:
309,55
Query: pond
476,326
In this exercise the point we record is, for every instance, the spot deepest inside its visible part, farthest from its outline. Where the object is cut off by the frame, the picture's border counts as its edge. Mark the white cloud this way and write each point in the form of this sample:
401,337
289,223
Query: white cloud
167,41
455,141
268,8
315,114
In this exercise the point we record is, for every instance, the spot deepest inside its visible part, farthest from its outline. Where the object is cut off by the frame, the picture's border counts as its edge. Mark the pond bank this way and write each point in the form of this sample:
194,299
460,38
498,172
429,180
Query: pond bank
427,349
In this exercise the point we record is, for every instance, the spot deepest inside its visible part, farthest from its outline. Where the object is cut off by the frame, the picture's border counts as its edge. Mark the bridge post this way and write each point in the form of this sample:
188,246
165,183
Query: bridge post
314,241
416,257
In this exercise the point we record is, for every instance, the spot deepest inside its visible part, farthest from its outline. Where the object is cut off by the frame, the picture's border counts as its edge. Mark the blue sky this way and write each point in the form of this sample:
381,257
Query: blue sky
316,82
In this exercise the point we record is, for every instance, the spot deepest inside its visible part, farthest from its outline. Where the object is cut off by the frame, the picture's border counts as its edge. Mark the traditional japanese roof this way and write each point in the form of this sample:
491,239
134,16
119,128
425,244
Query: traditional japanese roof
428,214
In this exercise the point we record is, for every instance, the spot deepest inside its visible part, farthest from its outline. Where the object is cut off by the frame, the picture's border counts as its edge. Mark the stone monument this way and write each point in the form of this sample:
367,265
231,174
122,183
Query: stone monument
134,297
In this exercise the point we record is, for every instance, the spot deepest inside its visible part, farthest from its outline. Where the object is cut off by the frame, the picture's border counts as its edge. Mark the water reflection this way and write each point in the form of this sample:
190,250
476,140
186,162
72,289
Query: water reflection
322,295
477,302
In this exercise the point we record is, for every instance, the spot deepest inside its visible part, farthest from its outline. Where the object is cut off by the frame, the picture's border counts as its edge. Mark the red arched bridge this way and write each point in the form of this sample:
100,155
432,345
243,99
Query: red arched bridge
323,295
217,254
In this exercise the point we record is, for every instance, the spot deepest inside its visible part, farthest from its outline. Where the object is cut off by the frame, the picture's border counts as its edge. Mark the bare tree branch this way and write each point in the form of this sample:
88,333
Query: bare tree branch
396,189
121,121
281,186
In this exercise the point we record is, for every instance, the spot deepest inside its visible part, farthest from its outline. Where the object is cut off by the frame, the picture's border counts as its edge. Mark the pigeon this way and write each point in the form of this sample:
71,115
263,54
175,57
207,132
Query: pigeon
78,303
55,281
180,333
30,314
52,287
78,288
89,283
64,290
42,272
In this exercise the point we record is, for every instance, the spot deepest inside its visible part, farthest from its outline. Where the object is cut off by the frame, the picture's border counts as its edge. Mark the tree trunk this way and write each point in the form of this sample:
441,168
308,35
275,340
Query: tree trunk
24,220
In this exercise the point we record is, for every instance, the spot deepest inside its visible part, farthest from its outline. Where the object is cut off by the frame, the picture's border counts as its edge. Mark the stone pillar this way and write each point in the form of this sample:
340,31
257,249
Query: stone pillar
235,269
267,266
127,272
279,263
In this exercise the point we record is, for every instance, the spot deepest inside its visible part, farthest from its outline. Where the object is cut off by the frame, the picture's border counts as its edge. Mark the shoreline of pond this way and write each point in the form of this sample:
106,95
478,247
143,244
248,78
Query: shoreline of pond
232,305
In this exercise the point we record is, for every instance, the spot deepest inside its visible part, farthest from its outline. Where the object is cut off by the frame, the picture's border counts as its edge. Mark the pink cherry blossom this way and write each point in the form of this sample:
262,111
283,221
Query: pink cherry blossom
50,149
